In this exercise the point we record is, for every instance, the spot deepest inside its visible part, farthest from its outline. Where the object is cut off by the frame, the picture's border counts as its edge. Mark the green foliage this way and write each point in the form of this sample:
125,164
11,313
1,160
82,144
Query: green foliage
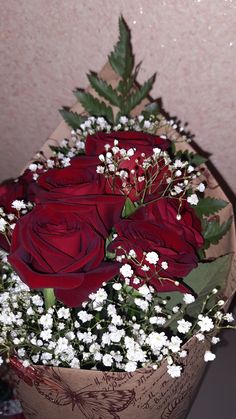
193,158
141,93
104,89
197,159
126,96
122,59
93,106
73,119
208,206
202,281
213,231
151,109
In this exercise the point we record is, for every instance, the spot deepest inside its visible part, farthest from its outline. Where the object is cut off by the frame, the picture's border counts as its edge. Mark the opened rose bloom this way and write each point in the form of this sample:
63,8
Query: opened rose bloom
155,228
126,162
61,246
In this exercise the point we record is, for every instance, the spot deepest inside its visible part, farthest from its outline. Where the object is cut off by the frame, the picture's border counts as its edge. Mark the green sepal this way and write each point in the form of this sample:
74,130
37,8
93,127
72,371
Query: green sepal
128,209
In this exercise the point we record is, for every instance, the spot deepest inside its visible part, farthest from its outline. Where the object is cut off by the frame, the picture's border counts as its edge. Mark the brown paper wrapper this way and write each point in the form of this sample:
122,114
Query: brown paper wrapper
56,393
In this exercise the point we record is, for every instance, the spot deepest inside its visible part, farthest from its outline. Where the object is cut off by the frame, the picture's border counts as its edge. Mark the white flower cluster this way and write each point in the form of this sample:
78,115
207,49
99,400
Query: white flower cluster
8,220
118,328
151,264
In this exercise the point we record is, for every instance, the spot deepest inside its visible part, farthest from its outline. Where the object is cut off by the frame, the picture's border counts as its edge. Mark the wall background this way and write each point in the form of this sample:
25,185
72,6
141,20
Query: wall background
48,46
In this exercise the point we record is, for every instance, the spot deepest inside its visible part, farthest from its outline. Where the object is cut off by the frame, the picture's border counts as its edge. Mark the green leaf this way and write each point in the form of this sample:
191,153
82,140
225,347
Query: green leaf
104,89
129,208
193,158
93,106
213,231
121,59
151,109
202,281
205,278
197,159
208,206
109,255
73,119
49,297
140,94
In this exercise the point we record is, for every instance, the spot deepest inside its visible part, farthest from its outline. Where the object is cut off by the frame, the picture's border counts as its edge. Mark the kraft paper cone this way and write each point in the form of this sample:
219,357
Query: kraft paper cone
58,393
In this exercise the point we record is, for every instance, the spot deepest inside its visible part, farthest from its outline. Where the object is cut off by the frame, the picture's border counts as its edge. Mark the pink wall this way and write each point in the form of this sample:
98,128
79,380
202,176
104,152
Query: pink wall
50,45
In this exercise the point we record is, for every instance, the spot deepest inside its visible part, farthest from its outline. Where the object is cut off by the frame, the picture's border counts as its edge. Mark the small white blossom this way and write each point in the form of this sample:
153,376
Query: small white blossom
156,341
63,313
123,120
175,309
3,224
130,366
174,344
152,257
200,337
18,205
144,290
50,163
174,370
145,268
201,187
33,167
183,326
107,360
84,316
229,317
100,169
215,340
164,265
143,304
117,286
132,253
209,356
46,334
188,298
206,324
193,199
126,271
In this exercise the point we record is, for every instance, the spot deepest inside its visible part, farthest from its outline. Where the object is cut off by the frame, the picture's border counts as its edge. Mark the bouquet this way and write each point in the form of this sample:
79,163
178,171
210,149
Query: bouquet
106,241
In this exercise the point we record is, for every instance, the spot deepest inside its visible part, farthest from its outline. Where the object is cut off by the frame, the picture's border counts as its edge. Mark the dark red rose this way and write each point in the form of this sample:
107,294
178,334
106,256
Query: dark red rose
142,141
61,246
154,228
130,171
17,189
80,178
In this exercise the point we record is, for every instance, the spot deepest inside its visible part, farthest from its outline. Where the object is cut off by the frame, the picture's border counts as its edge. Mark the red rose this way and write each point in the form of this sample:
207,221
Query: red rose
126,174
154,228
80,178
142,141
10,191
15,189
61,246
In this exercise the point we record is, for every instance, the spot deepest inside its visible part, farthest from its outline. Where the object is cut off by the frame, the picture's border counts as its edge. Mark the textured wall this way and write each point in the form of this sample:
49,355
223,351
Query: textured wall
49,46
